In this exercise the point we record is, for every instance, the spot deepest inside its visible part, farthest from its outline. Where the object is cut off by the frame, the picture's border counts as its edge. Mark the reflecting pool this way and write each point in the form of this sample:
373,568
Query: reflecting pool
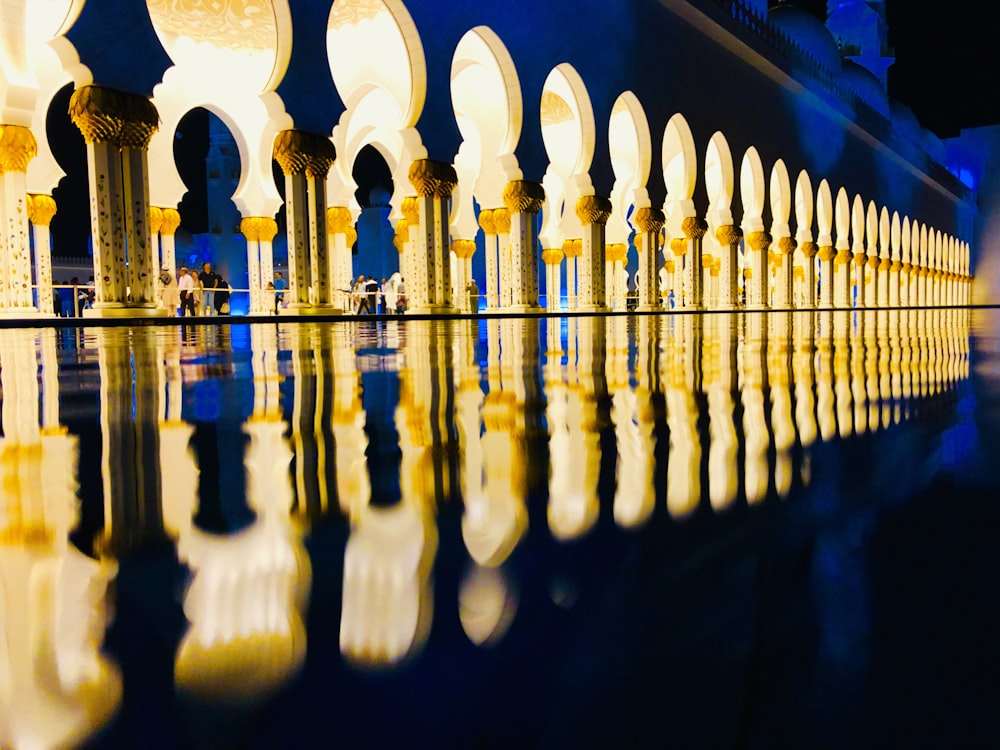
728,530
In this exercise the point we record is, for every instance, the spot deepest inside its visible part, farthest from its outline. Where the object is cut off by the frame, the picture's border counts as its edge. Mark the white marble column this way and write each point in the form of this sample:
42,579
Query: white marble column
492,290
430,289
117,127
41,209
321,261
524,200
783,286
169,222
757,293
552,259
593,212
647,242
17,148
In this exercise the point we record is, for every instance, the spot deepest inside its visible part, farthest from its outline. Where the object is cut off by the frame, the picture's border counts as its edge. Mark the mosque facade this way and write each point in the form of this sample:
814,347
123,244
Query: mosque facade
696,154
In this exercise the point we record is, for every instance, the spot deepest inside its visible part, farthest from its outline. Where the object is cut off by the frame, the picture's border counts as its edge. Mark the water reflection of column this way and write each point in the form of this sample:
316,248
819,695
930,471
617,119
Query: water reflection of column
842,373
721,370
895,355
633,414
495,516
779,375
388,600
354,489
859,394
130,416
574,447
804,369
246,637
875,332
311,418
683,379
176,457
55,686
825,398
757,438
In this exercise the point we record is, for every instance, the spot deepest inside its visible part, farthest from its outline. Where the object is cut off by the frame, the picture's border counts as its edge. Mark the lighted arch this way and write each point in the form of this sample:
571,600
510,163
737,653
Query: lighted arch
568,133
895,237
842,219
680,171
905,241
924,255
378,68
752,191
858,224
781,200
803,208
36,61
486,96
247,43
871,227
375,42
720,179
824,215
883,233
631,151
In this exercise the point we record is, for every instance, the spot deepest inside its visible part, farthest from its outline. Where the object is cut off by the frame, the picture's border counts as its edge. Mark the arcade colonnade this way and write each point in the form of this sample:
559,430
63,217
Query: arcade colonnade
820,250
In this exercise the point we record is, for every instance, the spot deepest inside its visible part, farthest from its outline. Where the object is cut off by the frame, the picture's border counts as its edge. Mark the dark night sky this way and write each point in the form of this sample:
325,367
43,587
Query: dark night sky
946,61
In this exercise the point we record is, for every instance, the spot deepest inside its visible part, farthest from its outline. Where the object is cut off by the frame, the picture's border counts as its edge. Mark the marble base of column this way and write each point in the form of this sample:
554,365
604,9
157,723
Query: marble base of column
120,310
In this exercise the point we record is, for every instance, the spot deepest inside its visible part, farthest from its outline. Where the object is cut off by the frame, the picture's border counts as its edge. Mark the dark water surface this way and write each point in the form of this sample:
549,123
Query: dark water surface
719,531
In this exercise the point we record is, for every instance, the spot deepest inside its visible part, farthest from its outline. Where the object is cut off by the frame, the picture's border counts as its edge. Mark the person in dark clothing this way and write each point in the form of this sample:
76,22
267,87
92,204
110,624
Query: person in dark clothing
222,290
209,280
371,294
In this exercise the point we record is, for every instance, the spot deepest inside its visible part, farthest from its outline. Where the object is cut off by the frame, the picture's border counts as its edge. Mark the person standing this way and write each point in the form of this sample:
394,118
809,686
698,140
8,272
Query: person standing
280,285
169,298
209,280
222,292
371,295
185,286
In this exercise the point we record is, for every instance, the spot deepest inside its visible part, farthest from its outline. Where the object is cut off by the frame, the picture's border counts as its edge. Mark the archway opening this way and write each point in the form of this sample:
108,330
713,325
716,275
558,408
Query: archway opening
208,162
72,252
374,252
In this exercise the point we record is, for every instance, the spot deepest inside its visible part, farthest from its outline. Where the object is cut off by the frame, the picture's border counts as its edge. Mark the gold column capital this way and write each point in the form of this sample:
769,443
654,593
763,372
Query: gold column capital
17,147
827,252
338,220
679,245
729,235
351,236
809,249
649,219
694,228
267,228
787,245
615,252
402,234
463,248
41,209
486,221
552,256
860,259
411,210
170,220
522,196
106,115
884,264
301,152
707,260
432,178
250,228
155,219
501,220
759,240
842,257
669,265
593,209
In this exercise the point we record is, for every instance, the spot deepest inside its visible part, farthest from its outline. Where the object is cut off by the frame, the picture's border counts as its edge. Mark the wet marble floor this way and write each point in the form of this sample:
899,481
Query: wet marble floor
748,530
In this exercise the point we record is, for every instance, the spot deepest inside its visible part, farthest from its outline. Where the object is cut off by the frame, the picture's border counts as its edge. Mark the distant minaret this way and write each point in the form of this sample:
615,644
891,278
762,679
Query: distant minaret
860,28
222,173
